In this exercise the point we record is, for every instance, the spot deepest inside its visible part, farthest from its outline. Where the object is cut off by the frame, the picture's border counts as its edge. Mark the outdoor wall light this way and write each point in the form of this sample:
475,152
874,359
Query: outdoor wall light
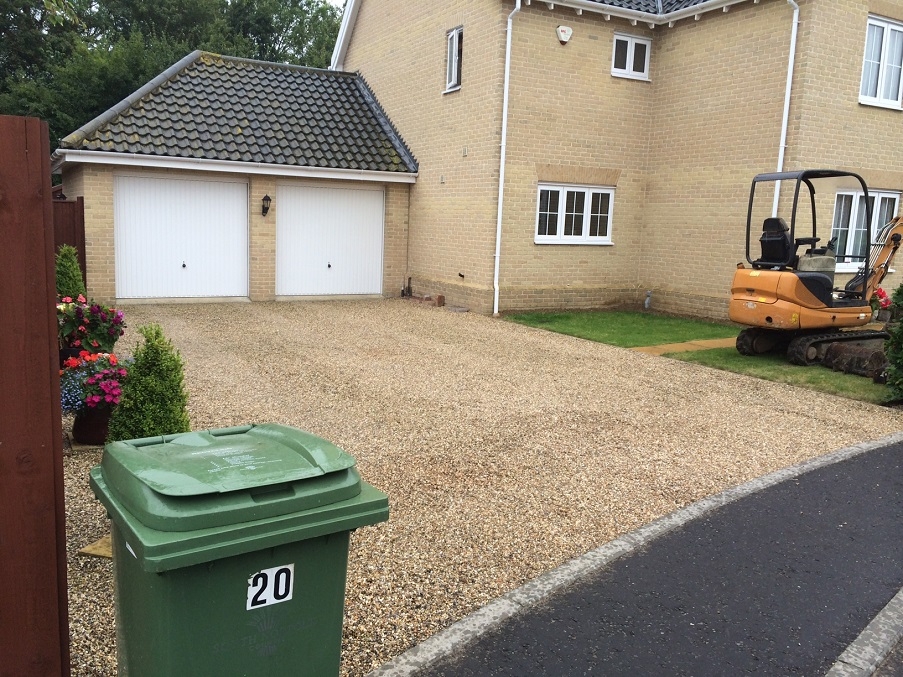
266,204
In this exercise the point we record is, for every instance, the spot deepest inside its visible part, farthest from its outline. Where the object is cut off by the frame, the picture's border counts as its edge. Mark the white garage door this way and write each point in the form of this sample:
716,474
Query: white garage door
329,241
180,238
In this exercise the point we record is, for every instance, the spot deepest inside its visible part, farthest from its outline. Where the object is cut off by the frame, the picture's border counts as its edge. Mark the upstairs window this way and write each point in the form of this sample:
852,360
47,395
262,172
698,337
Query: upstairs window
453,64
631,57
850,216
882,64
574,215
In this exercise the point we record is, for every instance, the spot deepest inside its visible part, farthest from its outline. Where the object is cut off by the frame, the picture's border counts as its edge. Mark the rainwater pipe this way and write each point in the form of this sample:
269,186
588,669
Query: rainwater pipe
786,120
498,222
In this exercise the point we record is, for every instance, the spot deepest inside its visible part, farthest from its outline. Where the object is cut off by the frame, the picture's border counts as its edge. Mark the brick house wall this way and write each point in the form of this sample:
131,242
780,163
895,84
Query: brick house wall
680,150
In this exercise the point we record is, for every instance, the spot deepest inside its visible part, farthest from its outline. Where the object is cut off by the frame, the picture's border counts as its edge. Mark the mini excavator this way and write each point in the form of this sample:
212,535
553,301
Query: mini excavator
787,299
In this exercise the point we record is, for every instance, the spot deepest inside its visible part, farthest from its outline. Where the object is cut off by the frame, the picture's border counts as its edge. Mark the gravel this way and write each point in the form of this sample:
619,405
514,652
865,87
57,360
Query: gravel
505,450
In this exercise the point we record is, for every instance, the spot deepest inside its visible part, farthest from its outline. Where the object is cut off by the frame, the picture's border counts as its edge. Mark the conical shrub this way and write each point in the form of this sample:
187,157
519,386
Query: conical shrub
154,400
69,279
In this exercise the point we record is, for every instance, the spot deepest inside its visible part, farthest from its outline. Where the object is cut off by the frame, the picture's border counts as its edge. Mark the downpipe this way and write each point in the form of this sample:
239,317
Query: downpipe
785,122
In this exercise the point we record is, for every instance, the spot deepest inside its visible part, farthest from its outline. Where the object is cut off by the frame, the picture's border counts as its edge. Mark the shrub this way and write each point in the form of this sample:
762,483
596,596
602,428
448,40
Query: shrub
69,279
893,348
154,401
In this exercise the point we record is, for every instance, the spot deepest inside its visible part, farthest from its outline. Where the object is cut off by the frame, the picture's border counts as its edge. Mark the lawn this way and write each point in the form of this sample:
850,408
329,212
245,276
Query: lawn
626,329
633,329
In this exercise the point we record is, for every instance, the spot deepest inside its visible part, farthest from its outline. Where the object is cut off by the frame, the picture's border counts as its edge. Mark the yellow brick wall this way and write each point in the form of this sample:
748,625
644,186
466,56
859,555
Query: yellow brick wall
95,184
684,146
454,136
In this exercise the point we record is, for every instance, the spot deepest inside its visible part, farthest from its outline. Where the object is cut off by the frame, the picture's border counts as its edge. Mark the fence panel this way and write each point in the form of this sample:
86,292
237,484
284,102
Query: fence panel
69,228
34,635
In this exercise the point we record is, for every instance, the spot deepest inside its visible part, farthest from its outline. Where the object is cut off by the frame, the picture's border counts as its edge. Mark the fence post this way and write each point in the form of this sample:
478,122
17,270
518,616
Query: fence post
34,634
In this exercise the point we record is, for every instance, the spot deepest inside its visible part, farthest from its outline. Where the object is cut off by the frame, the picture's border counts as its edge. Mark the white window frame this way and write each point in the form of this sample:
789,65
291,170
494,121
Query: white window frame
628,70
454,53
883,75
857,217
583,200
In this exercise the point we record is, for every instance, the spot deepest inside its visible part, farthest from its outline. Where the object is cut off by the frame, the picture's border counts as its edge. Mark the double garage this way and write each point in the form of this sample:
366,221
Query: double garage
191,237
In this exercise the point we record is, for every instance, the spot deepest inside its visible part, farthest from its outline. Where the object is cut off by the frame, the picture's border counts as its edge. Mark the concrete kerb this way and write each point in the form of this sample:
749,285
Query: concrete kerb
869,649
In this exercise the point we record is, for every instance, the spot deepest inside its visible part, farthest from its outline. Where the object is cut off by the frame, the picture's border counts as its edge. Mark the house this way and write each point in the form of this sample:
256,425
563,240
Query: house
228,178
578,153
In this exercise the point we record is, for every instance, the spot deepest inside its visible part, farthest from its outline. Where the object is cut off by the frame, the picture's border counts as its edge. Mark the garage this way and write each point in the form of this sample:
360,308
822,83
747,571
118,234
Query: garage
329,240
180,237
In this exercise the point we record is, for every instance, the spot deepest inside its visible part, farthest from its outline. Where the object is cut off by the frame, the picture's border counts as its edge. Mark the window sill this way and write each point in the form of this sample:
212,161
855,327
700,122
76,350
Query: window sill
452,89
877,103
630,76
578,243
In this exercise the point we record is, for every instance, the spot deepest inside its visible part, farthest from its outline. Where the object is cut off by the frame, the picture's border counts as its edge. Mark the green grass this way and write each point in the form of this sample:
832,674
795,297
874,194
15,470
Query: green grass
635,329
626,329
776,368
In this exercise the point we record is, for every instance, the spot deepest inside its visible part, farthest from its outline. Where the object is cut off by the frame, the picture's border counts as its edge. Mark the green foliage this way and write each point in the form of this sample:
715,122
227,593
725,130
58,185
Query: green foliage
69,61
154,401
69,280
893,348
626,329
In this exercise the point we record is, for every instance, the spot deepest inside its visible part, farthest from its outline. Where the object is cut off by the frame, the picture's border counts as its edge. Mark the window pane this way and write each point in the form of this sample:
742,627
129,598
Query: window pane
842,210
872,61
891,89
573,213
620,54
887,209
857,237
548,213
598,222
639,58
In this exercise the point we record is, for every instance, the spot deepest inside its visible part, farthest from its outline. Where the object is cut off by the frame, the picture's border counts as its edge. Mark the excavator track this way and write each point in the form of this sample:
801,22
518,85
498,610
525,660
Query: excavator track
811,348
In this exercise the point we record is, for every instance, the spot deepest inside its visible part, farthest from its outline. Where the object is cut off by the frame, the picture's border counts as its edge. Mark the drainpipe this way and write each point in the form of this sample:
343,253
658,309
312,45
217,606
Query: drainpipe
498,222
785,122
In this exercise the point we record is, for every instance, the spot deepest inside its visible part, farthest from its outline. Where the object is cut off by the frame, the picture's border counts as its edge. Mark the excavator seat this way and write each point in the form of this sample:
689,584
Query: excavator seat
777,247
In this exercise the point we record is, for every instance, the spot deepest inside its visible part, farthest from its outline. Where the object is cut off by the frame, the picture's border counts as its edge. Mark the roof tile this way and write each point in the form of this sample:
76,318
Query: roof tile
224,108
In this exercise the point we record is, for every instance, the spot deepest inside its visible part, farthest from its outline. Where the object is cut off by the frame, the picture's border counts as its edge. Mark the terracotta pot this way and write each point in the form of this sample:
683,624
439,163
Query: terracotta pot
91,425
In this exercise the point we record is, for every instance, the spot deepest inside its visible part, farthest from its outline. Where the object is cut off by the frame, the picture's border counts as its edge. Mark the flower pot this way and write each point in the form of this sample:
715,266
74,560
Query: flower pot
884,315
91,425
66,353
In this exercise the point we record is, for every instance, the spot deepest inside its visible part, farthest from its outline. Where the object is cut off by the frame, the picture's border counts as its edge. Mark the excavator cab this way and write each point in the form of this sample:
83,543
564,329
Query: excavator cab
786,295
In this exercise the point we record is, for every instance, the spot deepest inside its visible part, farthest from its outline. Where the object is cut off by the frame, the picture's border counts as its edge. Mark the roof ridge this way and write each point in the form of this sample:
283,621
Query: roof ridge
384,121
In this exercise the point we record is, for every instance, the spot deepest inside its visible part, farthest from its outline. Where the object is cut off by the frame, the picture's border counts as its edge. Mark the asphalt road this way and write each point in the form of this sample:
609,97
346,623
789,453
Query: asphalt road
777,583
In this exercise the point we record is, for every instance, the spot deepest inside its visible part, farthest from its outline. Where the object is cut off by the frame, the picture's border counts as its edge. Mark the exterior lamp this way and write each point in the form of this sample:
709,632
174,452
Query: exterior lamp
266,204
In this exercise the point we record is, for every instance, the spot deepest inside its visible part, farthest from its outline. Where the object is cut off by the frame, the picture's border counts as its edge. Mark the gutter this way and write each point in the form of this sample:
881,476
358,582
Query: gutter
349,17
498,222
135,160
785,122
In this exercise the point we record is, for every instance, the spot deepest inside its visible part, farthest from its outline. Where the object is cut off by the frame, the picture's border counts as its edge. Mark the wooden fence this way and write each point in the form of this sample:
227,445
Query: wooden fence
34,634
69,228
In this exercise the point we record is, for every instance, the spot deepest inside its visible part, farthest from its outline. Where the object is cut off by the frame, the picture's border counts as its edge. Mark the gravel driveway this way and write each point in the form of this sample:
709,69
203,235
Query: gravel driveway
504,450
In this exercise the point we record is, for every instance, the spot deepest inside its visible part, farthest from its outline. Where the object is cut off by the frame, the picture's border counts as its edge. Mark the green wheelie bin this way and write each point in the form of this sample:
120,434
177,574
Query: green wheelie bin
230,550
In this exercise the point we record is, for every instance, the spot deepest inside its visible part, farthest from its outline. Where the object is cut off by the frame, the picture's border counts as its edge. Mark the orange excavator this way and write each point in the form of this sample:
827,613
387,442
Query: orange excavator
786,297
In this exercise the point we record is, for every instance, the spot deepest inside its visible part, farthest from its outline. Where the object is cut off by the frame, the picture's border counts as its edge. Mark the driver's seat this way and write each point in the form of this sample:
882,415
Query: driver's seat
777,247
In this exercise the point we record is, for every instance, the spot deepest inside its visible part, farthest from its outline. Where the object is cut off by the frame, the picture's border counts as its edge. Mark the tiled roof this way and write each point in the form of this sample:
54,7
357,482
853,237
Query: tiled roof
213,107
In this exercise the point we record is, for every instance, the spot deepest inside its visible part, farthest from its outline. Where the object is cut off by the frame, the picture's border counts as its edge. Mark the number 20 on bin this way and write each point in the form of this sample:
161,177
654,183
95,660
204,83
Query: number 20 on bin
271,586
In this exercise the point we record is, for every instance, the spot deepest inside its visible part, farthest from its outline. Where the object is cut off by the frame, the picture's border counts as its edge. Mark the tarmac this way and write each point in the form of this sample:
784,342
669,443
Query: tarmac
799,572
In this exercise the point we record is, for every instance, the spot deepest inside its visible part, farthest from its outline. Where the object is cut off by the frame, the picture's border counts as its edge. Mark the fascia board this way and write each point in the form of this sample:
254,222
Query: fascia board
643,17
344,37
63,156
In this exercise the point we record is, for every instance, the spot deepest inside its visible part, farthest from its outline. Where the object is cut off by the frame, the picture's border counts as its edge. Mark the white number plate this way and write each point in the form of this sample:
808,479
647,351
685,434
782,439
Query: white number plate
271,586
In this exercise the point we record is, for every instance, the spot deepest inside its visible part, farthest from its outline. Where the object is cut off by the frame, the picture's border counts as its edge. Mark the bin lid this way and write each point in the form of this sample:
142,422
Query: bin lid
215,477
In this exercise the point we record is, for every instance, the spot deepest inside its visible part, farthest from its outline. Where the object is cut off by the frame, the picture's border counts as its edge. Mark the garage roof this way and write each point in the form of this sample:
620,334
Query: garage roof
218,108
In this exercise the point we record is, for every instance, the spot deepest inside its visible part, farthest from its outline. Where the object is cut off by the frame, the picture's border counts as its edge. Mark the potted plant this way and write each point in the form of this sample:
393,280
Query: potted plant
85,325
90,387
